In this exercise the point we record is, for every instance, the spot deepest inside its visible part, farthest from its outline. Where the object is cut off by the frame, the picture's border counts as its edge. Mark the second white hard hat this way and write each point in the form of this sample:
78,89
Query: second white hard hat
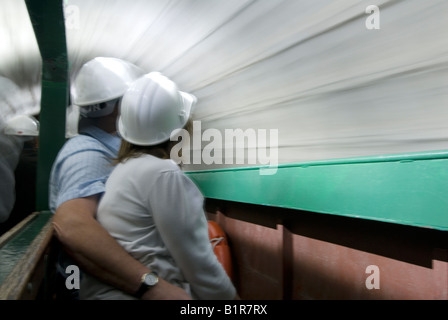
22,125
152,109
103,79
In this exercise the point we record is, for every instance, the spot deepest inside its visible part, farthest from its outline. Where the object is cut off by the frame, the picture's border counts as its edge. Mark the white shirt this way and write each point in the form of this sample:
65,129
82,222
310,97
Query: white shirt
156,213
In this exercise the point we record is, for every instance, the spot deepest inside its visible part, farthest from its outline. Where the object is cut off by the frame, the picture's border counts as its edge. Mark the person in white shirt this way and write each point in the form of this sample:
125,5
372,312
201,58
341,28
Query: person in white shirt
150,206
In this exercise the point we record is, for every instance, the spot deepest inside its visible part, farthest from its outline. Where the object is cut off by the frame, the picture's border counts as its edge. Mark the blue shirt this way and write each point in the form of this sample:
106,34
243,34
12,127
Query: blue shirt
82,166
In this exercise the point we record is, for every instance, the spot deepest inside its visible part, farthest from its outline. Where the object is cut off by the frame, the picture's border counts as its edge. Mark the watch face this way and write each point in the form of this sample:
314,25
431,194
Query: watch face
151,279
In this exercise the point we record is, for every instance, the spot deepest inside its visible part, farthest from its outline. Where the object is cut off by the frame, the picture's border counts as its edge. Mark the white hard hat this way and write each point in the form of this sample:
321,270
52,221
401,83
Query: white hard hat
152,110
22,125
100,80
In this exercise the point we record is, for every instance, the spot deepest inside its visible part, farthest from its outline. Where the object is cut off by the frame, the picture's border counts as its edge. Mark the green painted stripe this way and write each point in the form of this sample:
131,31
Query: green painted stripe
409,189
14,250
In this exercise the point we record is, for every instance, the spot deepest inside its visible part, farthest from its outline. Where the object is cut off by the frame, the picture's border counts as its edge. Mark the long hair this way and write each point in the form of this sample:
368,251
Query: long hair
162,150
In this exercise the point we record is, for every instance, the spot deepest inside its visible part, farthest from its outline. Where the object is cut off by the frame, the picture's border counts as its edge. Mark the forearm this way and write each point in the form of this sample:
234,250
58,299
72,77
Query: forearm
113,265
93,248
100,255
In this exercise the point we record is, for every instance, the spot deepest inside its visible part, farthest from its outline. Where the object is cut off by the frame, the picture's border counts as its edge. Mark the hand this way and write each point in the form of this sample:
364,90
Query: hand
164,290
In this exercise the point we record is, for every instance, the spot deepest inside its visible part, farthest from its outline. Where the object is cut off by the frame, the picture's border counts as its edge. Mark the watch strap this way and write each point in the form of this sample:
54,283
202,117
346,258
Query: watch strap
143,287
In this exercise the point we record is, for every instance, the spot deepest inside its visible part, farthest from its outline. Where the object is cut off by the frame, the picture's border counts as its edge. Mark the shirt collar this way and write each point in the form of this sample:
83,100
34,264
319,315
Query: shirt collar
111,141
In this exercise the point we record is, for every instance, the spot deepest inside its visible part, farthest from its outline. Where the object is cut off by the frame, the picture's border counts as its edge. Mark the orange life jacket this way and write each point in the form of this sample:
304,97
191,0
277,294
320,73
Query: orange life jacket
218,240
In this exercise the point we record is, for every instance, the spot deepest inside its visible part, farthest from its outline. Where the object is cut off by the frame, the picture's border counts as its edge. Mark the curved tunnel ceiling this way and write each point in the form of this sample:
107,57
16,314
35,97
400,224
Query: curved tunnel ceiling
309,69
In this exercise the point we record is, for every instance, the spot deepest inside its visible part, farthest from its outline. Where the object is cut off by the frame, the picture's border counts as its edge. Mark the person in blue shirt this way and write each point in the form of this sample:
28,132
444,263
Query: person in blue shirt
77,184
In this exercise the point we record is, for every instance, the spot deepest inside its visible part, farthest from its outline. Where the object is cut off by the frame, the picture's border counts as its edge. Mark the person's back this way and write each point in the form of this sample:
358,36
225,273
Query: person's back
123,211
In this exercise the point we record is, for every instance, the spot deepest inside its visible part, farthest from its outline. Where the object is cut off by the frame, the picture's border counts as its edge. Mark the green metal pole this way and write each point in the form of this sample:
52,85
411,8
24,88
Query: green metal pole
47,18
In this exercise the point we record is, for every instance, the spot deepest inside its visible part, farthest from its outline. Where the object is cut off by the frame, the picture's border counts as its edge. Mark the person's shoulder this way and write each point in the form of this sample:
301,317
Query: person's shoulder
82,140
150,165
80,143
79,148
158,165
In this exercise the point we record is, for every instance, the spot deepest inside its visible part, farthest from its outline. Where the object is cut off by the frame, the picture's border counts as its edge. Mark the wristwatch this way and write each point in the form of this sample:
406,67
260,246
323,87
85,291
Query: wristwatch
148,281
